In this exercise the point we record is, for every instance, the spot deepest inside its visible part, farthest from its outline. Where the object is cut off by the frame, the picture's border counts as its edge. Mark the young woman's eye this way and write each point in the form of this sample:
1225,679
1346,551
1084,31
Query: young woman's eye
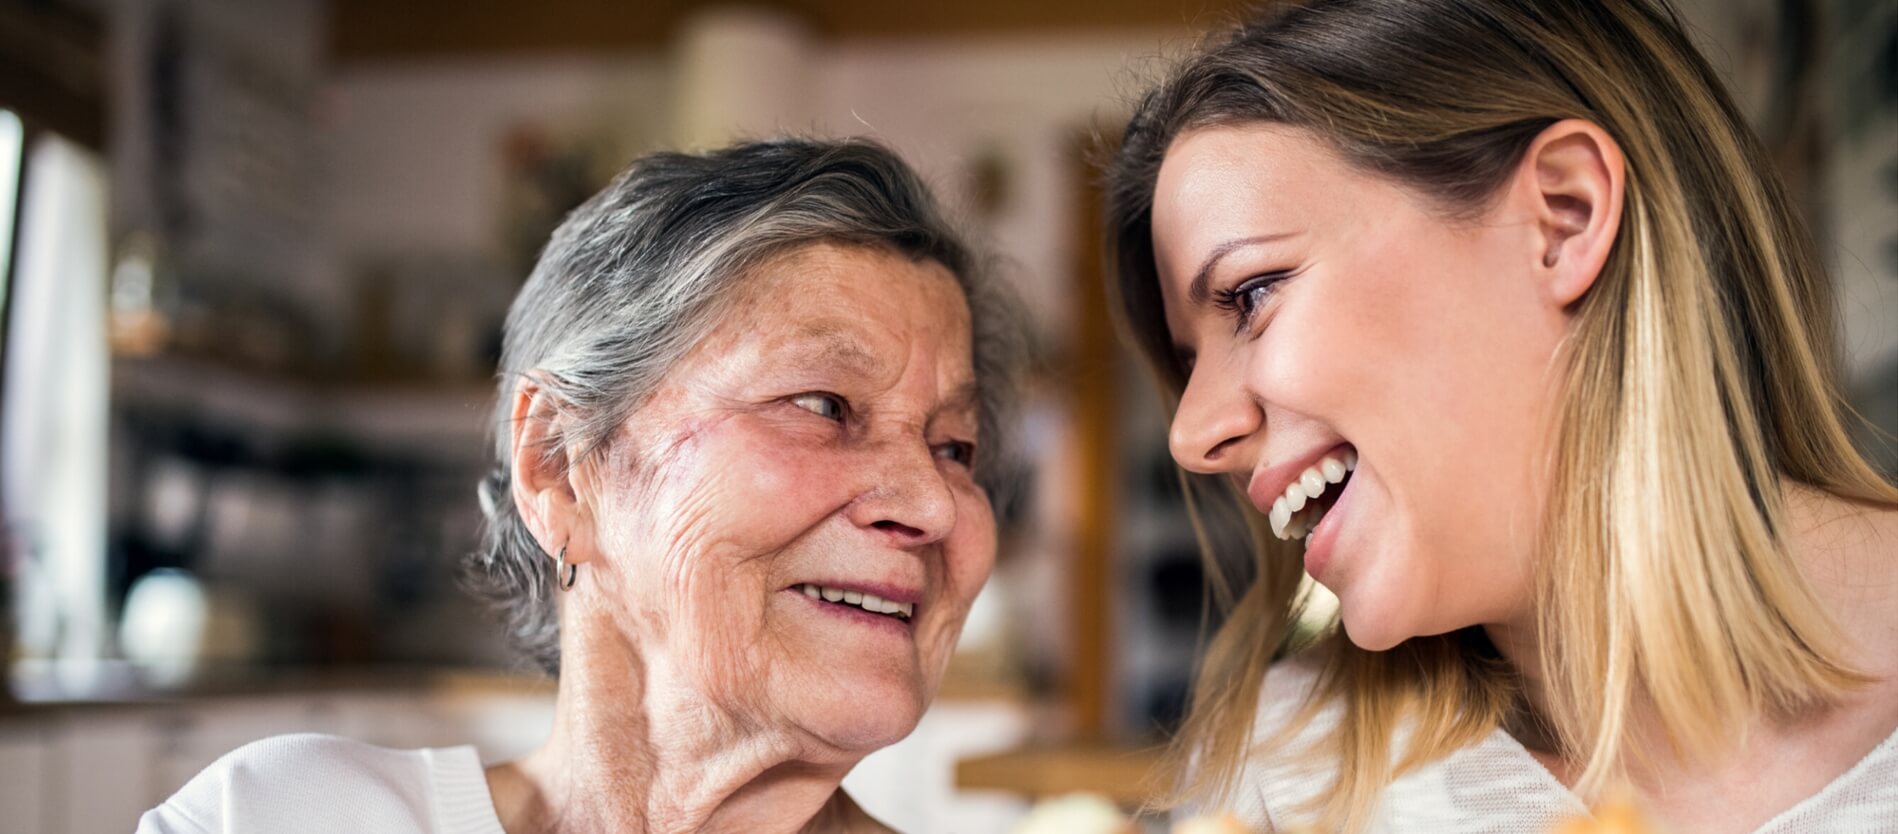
1245,300
957,452
827,406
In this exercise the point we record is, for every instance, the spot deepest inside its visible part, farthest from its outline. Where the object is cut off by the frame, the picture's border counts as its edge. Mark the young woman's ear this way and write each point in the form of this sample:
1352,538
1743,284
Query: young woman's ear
1571,179
543,480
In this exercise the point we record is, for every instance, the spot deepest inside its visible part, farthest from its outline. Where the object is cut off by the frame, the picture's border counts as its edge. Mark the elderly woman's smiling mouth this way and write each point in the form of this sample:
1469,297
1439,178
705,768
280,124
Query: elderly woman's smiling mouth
887,602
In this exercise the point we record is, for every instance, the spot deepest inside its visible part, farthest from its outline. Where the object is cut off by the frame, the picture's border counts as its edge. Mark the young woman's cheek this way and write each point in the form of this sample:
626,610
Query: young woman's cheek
1295,358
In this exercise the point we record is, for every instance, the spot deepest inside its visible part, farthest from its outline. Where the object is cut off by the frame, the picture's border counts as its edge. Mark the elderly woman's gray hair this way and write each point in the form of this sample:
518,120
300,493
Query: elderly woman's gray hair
635,276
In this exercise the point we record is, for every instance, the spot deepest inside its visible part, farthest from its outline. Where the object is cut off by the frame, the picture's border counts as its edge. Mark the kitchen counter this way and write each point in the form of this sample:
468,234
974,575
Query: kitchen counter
39,686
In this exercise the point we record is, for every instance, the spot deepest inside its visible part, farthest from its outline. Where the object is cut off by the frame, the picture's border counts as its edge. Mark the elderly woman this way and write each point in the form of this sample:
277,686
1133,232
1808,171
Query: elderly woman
740,507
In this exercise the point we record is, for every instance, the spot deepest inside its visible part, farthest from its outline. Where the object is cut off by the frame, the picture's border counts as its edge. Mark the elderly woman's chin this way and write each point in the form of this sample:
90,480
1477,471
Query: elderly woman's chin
851,696
862,715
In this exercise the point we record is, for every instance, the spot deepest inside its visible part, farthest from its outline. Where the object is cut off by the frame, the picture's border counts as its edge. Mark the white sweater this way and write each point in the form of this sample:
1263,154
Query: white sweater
1495,785
323,784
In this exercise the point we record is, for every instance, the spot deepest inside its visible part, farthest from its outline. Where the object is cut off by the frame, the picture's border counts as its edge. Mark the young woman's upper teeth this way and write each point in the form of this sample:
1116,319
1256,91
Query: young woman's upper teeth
1308,485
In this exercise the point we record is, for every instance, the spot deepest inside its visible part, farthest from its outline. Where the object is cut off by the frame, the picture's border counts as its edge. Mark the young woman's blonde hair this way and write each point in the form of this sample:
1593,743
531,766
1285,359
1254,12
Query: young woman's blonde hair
1701,379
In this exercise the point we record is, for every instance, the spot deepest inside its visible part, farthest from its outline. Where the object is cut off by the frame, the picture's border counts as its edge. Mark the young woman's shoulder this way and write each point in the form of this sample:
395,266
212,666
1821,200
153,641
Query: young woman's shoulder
1287,770
1490,785
1291,689
310,782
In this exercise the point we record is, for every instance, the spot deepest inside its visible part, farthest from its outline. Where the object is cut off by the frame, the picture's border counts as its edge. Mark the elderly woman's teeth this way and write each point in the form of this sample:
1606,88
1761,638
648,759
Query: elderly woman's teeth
868,602
1290,516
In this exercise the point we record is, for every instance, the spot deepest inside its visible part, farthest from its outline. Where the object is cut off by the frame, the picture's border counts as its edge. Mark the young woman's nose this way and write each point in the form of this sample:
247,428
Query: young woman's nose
1216,425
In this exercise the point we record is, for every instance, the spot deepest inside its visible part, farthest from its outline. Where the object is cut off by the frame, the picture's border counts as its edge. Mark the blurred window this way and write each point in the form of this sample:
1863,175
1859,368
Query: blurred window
53,408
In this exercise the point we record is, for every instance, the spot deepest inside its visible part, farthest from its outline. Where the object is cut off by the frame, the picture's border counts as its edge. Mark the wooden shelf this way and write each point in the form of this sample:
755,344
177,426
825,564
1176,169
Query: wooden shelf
1118,772
443,420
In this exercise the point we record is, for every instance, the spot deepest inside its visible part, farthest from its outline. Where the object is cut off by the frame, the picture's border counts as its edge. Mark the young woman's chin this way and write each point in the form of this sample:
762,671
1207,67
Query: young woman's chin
1378,604
1371,630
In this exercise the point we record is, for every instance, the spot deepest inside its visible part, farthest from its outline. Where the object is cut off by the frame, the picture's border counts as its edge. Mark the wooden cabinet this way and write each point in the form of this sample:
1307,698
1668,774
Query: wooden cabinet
94,767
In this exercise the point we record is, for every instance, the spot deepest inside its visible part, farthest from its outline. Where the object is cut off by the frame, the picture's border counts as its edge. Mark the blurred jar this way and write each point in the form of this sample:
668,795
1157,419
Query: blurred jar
174,627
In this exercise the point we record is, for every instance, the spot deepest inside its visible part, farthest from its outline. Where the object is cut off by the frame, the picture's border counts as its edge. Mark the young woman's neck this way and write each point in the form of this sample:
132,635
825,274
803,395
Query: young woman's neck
633,751
1848,554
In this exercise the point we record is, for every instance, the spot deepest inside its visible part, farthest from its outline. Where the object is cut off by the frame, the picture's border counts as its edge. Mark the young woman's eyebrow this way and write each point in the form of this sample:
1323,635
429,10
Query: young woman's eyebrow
1199,292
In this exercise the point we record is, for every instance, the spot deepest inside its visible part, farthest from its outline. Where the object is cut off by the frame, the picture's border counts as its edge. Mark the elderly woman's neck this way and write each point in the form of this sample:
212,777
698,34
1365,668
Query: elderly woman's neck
629,754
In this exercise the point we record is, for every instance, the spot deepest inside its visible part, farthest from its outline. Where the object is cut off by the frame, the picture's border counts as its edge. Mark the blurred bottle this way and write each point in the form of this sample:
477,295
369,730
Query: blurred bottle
138,323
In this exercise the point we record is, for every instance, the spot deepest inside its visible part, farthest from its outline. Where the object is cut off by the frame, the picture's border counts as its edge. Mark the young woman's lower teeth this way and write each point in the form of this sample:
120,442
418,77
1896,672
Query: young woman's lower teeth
1301,526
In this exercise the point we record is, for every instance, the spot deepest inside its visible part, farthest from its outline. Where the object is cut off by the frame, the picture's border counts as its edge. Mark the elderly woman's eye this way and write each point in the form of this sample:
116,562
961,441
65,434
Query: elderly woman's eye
827,406
958,452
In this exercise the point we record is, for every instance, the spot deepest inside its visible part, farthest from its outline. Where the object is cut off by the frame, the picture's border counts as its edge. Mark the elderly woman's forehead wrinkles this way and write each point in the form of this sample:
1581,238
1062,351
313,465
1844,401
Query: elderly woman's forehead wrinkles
837,344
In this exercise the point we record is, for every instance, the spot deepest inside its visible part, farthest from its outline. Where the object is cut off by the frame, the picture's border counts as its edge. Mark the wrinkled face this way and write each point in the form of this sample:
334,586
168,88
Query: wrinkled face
791,530
1376,376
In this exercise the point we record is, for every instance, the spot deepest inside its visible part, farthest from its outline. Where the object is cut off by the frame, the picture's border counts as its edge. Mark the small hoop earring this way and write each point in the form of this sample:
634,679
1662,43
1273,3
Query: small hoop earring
565,574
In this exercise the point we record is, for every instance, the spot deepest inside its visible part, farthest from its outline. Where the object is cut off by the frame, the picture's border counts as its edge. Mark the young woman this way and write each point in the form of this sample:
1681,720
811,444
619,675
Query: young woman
1497,315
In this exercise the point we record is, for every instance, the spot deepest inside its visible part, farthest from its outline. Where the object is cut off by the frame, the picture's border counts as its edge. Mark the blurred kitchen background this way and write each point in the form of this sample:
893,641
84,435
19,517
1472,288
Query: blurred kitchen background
256,254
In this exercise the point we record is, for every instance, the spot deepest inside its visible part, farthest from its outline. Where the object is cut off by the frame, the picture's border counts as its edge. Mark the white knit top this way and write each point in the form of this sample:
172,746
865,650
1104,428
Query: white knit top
318,784
1495,785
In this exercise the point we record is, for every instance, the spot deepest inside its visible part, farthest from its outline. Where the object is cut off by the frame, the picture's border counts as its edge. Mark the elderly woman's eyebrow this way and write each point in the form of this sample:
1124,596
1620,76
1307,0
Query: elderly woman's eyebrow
835,344
963,399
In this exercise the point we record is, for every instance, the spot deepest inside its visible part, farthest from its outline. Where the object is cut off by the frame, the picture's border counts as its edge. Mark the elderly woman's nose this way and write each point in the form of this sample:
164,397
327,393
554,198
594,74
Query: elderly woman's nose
908,498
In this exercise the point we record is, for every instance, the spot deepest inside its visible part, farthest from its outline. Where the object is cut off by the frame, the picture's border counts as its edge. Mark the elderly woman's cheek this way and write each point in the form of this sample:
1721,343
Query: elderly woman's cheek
969,558
973,559
731,487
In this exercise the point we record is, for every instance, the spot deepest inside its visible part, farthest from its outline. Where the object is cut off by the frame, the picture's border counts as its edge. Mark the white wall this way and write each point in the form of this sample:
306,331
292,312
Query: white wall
1032,101
415,149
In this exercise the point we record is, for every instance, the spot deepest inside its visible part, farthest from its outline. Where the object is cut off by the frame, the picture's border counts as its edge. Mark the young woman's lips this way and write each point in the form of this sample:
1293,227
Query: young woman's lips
1324,538
1267,485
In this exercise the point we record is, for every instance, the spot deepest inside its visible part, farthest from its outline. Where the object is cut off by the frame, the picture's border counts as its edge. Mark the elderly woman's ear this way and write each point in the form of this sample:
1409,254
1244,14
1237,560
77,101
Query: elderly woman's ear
545,478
